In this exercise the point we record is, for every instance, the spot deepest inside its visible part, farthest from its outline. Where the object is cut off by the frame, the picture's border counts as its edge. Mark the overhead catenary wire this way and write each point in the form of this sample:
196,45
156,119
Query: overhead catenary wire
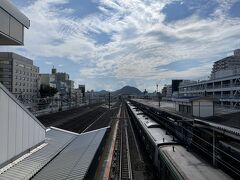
202,148
190,132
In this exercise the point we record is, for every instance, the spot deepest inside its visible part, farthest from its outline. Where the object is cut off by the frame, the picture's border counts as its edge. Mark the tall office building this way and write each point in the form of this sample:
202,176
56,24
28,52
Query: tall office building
19,76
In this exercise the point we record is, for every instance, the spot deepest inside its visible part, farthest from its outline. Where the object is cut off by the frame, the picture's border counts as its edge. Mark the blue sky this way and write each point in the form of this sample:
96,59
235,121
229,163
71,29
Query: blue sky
107,44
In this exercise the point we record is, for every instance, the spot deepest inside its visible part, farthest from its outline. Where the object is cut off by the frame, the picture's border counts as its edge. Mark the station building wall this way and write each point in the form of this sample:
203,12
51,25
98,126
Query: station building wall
19,129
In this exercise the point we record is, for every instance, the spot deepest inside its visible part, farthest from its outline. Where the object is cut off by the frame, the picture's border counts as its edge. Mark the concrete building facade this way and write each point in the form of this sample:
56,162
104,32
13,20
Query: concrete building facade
19,76
224,83
12,24
197,107
169,91
227,66
58,80
46,80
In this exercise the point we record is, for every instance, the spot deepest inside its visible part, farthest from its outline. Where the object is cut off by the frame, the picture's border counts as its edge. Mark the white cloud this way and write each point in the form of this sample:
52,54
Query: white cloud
140,41
48,63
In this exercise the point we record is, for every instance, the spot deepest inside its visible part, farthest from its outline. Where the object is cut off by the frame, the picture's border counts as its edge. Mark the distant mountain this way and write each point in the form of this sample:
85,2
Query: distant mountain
102,92
127,90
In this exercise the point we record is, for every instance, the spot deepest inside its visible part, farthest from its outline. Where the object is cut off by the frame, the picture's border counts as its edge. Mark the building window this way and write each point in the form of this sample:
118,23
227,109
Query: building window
6,82
5,70
4,62
5,76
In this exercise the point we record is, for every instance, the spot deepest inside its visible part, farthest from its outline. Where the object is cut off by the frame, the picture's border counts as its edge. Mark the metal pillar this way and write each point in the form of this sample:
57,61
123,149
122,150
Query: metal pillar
214,155
159,99
109,102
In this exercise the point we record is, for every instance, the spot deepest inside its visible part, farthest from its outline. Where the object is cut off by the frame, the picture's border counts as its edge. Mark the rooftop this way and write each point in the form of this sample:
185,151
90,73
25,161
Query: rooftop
66,155
158,134
13,11
191,166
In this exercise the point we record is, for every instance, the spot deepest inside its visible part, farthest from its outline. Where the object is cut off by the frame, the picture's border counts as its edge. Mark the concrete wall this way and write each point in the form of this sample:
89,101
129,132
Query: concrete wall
19,129
11,30
203,108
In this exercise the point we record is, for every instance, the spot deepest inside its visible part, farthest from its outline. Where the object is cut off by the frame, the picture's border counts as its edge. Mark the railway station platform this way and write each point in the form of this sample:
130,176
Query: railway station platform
224,124
63,155
220,117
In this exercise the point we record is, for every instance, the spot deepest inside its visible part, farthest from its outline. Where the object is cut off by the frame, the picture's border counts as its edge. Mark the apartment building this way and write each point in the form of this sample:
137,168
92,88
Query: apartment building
224,83
19,76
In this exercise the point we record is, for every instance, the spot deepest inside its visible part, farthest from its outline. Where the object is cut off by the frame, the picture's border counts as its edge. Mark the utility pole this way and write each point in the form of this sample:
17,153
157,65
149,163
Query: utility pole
89,98
158,96
159,99
214,155
109,100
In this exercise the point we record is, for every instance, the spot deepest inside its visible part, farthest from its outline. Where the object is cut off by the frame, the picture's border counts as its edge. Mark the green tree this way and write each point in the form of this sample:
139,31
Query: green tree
47,91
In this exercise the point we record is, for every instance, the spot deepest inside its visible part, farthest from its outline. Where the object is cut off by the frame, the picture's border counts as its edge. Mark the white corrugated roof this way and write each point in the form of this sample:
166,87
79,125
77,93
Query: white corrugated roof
56,141
74,161
66,155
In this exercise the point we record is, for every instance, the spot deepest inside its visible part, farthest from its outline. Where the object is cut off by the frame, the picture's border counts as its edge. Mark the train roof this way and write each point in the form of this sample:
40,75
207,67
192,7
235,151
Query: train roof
189,165
154,130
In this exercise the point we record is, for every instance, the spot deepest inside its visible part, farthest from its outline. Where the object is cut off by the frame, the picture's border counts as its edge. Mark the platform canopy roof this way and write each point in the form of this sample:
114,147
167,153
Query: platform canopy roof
12,24
64,155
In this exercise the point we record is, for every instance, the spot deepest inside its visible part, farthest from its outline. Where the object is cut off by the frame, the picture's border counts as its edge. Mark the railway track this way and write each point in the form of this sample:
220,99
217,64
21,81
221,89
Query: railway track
81,120
125,159
121,164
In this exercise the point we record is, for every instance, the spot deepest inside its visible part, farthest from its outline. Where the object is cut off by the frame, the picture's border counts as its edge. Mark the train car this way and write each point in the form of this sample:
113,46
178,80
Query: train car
152,135
176,162
171,160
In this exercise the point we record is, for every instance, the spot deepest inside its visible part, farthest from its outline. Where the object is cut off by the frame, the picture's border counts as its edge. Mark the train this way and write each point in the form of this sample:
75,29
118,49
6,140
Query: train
171,160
